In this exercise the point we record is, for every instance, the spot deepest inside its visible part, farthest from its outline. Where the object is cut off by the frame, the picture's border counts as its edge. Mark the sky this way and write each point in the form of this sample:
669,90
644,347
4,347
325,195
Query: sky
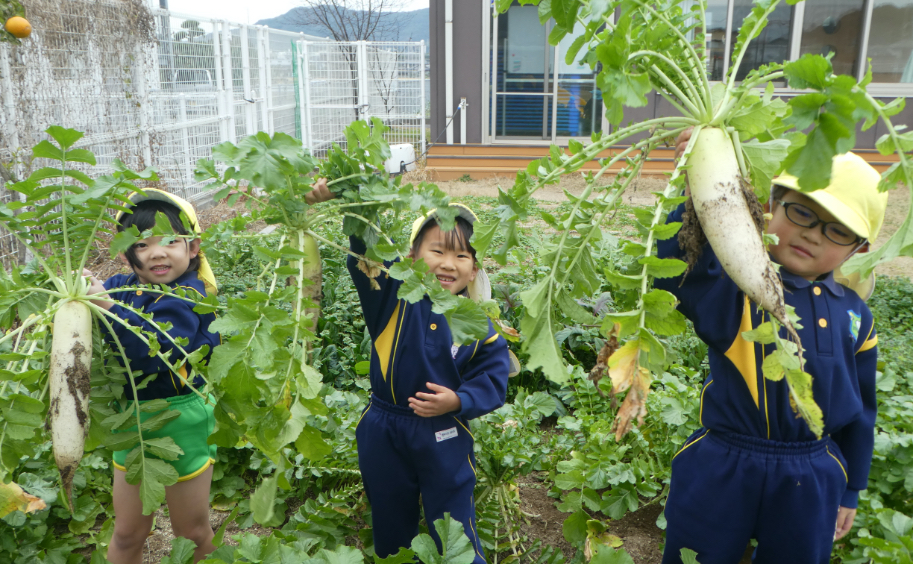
248,11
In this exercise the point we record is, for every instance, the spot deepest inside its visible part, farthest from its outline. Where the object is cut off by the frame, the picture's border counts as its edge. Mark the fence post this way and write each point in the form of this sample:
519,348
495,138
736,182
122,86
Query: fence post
142,92
262,62
361,59
245,77
228,81
267,54
304,93
9,109
185,138
220,97
421,78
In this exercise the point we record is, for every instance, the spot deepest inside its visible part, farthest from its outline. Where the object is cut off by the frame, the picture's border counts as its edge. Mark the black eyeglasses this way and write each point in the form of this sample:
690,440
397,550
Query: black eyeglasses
833,230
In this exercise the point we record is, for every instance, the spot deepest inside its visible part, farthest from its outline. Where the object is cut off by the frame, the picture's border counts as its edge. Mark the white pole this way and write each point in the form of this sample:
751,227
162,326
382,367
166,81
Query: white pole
142,92
245,77
9,105
220,96
448,67
463,106
185,139
270,126
228,81
421,75
361,60
304,95
262,62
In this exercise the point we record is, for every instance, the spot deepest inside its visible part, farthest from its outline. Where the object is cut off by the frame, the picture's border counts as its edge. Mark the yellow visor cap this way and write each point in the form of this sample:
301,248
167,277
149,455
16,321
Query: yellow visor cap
480,288
852,197
204,272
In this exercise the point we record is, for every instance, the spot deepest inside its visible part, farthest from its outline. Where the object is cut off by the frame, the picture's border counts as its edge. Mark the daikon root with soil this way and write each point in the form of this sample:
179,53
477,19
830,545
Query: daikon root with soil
69,380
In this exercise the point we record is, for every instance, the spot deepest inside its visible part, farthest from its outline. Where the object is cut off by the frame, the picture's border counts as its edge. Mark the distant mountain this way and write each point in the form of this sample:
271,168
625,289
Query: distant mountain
414,27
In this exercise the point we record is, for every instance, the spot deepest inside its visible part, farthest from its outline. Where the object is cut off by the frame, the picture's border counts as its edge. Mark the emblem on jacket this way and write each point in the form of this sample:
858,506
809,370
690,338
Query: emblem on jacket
855,323
453,350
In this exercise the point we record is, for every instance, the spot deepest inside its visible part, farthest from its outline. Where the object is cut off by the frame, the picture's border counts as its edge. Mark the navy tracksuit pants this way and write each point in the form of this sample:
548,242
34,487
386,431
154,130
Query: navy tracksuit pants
403,456
727,489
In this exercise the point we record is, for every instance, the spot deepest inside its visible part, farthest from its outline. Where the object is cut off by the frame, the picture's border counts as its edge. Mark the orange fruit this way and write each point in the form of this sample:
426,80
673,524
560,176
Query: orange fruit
18,27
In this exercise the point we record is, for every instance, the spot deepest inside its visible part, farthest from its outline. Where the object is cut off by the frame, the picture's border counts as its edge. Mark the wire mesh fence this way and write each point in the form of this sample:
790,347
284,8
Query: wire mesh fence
156,88
344,81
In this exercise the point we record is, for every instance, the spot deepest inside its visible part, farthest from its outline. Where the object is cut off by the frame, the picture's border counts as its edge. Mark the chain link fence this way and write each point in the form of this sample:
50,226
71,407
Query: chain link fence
156,88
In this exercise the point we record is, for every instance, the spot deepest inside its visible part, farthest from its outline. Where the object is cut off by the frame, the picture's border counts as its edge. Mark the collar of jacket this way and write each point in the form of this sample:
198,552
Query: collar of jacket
182,280
796,282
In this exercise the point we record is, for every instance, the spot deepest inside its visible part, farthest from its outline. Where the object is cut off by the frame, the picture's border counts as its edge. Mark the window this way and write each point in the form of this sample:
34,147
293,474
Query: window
891,41
772,45
834,26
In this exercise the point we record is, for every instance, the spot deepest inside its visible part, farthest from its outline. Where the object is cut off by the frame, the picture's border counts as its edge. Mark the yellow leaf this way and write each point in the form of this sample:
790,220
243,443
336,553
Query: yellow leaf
595,542
623,365
635,404
12,498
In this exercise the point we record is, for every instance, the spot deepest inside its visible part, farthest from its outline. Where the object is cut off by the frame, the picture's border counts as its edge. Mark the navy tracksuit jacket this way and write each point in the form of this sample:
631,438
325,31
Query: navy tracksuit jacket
755,470
400,454
185,323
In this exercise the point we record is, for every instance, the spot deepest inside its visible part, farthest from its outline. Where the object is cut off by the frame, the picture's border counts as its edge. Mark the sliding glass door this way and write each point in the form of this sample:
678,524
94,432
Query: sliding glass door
535,94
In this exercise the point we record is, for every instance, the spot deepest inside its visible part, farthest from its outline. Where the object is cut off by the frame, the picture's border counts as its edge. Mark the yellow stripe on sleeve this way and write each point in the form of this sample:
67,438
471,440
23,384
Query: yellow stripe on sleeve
492,339
384,343
742,354
870,344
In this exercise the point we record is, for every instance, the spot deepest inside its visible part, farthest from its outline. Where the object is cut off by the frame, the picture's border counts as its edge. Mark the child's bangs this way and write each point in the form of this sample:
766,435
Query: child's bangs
457,239
143,216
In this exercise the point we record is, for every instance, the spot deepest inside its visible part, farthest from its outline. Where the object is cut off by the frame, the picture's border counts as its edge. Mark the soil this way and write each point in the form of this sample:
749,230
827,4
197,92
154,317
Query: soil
641,537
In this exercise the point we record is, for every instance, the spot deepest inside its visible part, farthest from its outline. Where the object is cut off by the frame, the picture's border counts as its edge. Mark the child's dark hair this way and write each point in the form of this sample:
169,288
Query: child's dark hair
457,238
143,217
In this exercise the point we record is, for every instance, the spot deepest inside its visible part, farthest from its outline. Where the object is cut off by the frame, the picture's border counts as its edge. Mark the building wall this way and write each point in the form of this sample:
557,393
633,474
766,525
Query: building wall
467,68
468,75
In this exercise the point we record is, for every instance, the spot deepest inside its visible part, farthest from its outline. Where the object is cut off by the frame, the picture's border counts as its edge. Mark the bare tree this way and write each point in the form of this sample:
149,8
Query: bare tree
354,20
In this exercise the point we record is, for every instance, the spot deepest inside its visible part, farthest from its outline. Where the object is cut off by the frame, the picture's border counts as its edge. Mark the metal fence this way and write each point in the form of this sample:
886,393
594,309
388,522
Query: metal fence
162,89
360,80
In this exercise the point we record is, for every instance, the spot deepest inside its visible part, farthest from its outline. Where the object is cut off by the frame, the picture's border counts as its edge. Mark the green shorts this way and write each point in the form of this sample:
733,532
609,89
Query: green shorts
190,431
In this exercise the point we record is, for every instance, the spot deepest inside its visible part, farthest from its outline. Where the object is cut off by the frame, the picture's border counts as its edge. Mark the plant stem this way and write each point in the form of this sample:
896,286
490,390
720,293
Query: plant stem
345,250
695,58
696,112
657,217
371,225
342,178
85,255
734,69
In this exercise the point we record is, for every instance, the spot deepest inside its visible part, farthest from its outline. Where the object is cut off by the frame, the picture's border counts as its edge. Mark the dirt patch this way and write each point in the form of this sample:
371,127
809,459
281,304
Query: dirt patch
639,193
546,523
638,531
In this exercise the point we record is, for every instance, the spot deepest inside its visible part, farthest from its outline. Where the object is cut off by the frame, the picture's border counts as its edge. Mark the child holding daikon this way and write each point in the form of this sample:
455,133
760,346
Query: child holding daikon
413,438
755,470
176,263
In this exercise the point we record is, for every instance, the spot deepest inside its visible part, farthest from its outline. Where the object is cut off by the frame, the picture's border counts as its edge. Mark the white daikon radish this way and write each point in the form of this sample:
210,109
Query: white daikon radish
68,413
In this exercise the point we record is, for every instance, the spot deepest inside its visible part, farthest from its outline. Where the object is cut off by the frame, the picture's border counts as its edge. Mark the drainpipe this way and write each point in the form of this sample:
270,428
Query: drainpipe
448,68
463,105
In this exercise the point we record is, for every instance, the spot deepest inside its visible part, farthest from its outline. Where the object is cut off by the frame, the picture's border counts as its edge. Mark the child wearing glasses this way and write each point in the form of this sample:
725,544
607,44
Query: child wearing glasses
755,470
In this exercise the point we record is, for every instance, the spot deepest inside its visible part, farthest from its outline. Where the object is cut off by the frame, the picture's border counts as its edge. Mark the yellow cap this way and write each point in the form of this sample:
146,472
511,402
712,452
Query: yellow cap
204,272
480,288
852,196
854,200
